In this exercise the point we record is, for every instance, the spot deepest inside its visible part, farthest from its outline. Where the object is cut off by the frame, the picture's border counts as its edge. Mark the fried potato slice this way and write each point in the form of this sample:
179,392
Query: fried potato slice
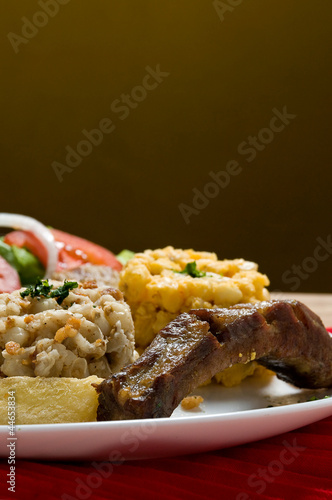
40,400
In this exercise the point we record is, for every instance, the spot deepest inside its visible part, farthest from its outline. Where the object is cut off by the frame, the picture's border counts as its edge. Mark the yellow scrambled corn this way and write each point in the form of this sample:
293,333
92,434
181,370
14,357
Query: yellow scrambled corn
158,289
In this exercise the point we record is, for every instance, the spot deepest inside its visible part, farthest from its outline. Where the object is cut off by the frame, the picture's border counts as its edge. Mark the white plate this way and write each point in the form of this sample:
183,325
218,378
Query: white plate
227,417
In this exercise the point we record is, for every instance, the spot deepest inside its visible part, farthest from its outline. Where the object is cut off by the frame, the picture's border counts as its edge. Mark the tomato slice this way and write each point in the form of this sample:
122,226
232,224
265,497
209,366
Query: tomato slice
73,250
30,241
9,278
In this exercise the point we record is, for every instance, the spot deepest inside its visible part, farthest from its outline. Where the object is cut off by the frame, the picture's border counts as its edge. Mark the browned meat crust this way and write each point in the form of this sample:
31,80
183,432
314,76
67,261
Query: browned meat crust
284,336
182,356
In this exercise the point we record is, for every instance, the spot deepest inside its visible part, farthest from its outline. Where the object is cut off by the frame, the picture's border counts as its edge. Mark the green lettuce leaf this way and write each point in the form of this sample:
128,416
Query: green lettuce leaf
124,256
26,264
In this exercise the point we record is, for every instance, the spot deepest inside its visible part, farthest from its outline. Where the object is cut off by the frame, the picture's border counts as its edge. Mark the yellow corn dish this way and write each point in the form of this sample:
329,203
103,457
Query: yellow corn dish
157,286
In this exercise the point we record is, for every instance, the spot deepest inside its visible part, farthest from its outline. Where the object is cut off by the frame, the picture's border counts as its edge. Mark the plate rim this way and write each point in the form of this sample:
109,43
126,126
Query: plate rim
182,420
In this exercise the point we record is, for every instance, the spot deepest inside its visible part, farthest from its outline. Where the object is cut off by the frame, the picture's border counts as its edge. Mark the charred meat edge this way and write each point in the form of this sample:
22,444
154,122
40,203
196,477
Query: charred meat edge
284,336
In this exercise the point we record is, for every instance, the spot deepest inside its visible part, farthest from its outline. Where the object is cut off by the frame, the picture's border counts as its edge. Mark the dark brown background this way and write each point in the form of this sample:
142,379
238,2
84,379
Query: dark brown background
225,79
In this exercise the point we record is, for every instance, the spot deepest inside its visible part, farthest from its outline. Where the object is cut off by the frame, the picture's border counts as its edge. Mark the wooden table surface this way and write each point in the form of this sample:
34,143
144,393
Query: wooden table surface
320,303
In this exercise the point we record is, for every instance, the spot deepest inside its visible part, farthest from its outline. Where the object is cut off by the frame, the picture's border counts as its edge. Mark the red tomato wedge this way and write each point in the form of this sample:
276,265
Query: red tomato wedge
9,278
73,250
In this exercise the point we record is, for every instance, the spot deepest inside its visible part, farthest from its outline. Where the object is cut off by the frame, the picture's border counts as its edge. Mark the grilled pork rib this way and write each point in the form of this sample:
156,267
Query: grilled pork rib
284,336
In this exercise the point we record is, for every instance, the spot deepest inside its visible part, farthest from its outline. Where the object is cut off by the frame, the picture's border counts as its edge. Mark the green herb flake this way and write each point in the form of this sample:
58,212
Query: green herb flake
191,270
318,399
62,292
43,288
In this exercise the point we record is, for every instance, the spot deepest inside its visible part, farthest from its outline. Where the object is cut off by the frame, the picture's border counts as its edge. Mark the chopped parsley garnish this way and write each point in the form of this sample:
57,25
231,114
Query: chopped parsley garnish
191,269
43,288
60,293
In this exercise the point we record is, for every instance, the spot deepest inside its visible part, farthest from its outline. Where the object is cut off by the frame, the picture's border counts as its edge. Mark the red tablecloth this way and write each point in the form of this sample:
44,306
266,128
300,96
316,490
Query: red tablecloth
267,469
